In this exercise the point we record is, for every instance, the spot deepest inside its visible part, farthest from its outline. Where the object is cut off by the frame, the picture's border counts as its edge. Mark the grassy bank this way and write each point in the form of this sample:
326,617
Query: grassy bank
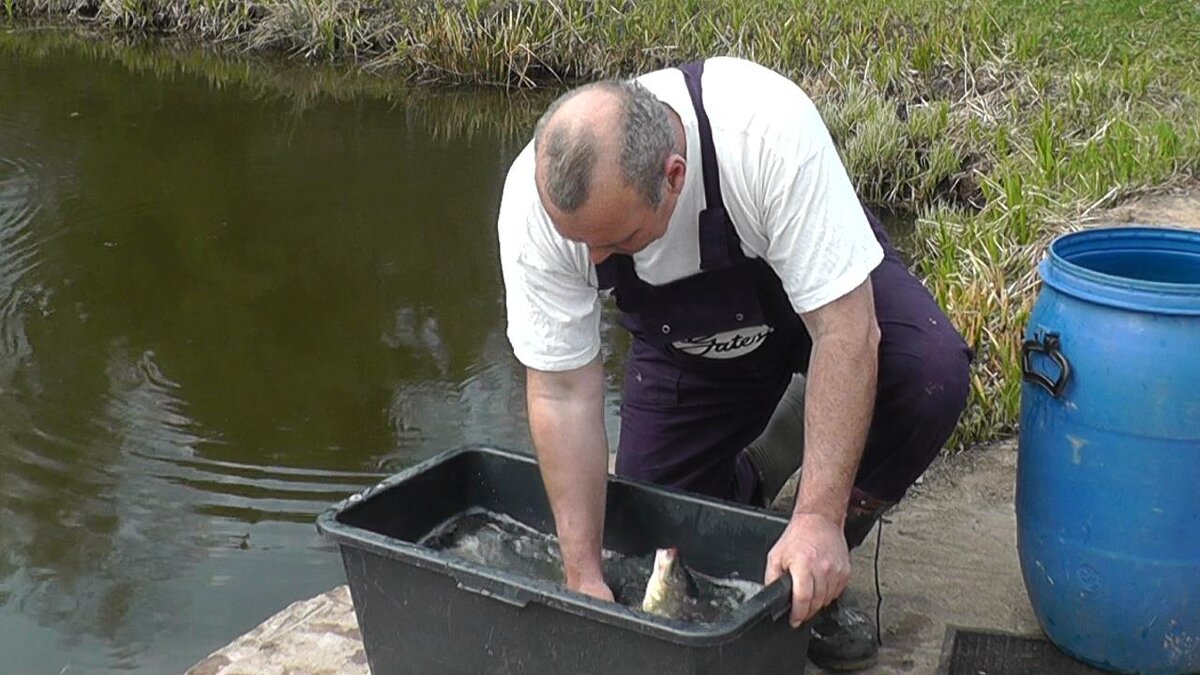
998,122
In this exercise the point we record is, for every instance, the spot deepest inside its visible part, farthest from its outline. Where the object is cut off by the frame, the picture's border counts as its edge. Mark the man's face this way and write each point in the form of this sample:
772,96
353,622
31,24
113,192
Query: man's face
614,219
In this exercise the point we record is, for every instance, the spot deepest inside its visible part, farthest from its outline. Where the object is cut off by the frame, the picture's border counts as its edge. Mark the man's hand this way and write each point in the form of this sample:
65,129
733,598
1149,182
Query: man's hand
595,588
812,549
566,420
839,393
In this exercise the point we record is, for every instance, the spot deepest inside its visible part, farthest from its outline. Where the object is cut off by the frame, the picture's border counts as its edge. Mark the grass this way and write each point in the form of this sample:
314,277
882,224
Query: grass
997,123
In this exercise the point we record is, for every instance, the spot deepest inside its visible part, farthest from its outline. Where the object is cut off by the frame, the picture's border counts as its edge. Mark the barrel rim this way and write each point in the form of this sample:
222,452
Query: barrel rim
1123,292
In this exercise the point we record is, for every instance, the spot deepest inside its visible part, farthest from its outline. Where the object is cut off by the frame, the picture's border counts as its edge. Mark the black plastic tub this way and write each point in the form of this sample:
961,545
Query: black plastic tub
426,611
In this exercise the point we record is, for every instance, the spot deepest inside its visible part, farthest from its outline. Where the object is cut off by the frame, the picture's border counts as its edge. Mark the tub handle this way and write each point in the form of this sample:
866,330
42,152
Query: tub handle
783,607
1048,345
495,589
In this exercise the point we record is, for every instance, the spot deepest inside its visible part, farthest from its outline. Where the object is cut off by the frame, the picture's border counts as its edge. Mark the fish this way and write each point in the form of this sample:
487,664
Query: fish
498,541
671,587
655,581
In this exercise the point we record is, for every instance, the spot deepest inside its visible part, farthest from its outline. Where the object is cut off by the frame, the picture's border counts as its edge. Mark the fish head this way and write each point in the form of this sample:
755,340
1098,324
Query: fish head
665,560
670,585
669,567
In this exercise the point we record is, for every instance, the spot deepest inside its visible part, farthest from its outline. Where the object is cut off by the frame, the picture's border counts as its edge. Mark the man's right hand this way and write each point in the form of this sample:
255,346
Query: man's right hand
597,589
566,421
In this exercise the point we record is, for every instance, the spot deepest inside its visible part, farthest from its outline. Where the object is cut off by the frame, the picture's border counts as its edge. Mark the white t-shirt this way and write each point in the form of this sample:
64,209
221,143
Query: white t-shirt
784,187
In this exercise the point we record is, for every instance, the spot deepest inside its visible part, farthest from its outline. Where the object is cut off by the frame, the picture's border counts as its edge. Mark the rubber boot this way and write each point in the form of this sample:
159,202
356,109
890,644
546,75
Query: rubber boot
843,637
779,450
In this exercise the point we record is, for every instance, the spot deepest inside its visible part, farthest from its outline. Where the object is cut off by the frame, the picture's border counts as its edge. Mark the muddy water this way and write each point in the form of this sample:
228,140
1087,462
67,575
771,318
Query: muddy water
499,541
221,311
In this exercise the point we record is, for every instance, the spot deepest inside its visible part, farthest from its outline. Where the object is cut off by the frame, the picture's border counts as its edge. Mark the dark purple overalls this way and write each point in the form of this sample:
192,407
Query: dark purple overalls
686,419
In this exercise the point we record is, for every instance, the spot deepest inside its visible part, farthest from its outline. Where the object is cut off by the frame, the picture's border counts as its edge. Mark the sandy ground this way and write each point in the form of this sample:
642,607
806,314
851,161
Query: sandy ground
948,556
1180,208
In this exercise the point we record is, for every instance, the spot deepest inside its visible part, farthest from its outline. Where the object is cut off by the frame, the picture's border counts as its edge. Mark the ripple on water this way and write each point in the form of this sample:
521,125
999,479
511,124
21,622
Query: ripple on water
100,505
20,255
135,466
147,417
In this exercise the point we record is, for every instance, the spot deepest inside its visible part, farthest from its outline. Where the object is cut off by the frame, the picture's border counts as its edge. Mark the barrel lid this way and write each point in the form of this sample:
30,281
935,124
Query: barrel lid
1140,268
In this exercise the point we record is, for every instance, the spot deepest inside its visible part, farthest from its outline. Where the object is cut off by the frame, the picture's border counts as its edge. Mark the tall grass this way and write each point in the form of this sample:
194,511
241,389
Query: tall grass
997,123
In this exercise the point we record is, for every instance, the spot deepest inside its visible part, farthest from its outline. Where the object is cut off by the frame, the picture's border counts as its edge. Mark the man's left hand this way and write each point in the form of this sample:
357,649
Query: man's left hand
812,549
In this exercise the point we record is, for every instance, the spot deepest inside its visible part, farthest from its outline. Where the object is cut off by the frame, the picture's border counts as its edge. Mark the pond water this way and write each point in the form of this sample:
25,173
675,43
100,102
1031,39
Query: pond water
220,312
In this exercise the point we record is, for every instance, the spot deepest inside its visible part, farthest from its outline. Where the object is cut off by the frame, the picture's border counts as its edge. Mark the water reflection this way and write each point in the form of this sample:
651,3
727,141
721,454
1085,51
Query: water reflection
219,313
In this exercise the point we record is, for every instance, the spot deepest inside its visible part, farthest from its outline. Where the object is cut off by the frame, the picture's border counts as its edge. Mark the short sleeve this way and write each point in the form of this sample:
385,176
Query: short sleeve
820,243
552,304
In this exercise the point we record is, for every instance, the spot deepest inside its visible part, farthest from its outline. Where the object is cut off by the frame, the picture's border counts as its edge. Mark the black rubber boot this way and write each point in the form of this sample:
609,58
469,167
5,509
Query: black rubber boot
843,637
779,449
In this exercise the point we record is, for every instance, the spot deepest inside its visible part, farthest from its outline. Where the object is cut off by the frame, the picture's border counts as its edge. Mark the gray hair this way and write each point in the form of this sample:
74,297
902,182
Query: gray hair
572,153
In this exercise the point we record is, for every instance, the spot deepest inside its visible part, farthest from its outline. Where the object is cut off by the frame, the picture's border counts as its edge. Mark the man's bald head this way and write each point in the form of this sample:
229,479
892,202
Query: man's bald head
598,127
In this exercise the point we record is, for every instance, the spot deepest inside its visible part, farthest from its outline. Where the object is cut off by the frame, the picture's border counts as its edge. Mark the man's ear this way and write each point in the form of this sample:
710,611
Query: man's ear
676,172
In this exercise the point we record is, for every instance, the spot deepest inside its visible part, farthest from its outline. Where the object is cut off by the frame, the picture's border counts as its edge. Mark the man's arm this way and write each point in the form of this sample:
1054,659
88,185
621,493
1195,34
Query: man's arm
566,419
839,399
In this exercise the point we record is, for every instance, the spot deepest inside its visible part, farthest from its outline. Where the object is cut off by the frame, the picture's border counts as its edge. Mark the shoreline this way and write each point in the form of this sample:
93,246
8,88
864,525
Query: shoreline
997,126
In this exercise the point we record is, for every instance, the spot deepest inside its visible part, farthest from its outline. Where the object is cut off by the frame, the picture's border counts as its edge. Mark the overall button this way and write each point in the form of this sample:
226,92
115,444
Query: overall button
666,329
739,316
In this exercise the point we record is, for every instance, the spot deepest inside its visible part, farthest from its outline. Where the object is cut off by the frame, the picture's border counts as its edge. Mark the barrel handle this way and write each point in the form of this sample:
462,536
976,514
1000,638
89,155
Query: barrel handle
1049,345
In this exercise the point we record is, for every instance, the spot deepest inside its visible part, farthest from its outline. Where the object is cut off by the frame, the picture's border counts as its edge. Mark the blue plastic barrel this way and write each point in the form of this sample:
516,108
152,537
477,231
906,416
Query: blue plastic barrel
1108,473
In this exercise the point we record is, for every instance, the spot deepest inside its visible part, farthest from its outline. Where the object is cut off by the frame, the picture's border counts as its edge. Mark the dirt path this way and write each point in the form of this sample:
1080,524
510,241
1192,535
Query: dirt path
1180,208
948,558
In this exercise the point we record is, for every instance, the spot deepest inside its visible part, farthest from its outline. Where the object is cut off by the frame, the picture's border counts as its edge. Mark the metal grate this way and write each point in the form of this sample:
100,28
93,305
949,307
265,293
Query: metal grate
971,652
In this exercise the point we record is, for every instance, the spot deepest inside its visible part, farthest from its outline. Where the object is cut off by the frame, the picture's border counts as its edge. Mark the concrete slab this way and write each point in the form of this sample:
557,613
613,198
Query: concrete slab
318,636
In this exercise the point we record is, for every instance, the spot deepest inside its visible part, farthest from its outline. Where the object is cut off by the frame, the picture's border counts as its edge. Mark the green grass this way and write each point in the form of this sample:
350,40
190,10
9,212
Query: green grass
997,123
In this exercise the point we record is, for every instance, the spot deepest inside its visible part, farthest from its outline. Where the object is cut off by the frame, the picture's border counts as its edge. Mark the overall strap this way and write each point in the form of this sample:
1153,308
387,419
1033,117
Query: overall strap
719,245
615,272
